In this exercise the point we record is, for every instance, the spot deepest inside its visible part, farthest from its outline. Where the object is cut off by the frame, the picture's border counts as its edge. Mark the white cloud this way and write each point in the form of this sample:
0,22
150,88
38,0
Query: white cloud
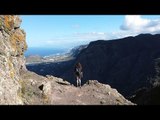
137,24
90,36
75,39
134,22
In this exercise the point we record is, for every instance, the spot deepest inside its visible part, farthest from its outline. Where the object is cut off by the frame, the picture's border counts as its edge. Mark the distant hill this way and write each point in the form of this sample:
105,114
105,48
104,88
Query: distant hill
76,50
34,59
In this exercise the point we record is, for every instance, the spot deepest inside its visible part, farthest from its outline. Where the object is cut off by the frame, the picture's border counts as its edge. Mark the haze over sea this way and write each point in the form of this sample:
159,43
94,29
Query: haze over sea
43,51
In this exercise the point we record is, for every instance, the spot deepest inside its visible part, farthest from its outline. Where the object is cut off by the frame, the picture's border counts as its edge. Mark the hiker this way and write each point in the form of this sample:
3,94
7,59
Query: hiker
78,73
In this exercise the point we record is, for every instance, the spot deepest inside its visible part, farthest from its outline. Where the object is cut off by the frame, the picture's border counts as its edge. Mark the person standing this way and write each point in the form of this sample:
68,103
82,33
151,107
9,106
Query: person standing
78,73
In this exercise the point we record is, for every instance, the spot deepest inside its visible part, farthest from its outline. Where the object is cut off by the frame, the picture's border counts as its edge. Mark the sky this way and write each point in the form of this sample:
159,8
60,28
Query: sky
68,31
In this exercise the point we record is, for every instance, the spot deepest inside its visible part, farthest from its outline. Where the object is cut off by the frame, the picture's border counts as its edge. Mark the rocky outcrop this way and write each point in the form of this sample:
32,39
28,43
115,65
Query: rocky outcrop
51,90
12,47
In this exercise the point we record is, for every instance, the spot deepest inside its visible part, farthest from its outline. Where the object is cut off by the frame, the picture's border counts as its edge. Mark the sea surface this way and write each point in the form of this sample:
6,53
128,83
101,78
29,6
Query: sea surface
43,51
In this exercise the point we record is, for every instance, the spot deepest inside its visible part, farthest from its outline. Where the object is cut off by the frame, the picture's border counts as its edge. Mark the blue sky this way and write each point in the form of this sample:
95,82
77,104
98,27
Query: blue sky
67,31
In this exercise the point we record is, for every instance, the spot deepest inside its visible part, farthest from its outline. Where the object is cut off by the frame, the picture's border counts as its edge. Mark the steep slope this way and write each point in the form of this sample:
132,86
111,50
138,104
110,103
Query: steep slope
126,64
12,47
76,50
149,96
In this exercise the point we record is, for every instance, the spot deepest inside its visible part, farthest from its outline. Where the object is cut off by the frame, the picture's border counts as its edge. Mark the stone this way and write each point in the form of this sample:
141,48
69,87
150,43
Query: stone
17,22
12,47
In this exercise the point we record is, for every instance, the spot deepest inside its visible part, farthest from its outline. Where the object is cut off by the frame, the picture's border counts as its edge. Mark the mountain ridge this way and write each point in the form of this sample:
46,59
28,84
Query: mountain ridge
130,59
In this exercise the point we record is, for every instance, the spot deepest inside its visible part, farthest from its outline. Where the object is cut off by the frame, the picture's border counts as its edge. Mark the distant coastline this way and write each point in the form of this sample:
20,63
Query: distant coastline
43,51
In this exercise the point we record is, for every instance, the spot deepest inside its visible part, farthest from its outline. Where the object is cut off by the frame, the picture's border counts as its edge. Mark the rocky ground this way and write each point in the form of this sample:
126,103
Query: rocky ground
38,90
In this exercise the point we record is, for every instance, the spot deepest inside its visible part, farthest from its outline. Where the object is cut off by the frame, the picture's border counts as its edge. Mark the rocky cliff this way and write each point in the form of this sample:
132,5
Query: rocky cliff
12,47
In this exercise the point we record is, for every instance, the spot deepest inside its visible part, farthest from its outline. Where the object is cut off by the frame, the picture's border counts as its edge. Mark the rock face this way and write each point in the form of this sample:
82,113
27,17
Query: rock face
126,64
149,96
12,47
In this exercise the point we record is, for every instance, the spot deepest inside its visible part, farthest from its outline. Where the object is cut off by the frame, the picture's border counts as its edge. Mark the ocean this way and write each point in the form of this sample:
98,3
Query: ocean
43,51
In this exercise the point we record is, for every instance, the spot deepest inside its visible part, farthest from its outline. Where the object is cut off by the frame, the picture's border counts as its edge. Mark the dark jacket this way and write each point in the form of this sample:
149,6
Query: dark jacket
78,70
